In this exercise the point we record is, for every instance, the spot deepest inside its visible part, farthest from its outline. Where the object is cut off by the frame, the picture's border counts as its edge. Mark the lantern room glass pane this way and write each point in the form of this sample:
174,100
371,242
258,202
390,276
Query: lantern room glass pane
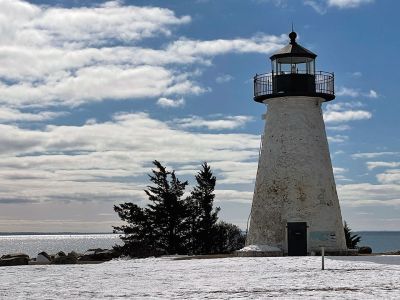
293,65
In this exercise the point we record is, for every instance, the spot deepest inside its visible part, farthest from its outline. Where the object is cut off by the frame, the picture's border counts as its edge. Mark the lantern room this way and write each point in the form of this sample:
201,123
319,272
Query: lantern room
293,59
293,74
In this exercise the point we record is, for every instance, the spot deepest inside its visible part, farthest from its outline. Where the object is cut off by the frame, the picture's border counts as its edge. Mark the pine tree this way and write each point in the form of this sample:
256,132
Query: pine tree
161,227
137,234
191,225
172,225
167,210
203,224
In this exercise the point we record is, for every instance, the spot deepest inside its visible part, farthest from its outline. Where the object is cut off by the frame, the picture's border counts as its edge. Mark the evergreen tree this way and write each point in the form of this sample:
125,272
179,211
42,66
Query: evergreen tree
229,238
351,239
159,228
138,237
172,225
191,222
167,210
204,217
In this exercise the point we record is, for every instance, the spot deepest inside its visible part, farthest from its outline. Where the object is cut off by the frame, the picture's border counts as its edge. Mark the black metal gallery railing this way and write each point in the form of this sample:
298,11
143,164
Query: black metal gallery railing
273,85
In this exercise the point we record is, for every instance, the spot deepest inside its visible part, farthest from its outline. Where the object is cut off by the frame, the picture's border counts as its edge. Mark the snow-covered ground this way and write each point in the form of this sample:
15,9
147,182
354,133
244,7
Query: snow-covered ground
375,277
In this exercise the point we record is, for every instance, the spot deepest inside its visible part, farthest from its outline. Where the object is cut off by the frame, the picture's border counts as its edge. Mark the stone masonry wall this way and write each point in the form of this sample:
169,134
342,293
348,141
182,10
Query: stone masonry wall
295,181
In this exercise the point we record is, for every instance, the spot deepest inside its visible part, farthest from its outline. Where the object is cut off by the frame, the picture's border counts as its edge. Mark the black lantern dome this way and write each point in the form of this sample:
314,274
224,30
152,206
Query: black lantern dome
293,74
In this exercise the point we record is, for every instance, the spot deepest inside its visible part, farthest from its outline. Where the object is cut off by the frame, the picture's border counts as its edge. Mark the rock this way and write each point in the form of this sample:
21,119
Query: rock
98,255
365,250
65,260
62,259
43,258
15,259
96,250
13,255
74,254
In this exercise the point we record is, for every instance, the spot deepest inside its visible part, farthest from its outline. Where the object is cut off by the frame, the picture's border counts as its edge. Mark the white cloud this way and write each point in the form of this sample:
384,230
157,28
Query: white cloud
224,78
106,161
337,170
165,102
390,176
260,43
345,116
350,92
348,3
236,172
342,178
339,152
321,6
343,105
98,83
339,128
277,3
367,194
372,94
338,138
343,112
14,115
70,56
233,196
30,24
374,154
19,62
356,74
382,164
228,122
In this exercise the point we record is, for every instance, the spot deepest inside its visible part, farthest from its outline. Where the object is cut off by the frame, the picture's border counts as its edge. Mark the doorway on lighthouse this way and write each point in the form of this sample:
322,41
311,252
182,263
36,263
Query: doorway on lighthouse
297,238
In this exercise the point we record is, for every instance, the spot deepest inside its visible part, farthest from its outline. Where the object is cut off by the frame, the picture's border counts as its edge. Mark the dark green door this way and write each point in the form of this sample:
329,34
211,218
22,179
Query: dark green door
297,238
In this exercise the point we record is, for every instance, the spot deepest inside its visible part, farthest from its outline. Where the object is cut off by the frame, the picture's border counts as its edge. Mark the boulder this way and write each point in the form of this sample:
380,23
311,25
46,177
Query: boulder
98,255
43,258
15,259
62,259
74,254
365,250
14,255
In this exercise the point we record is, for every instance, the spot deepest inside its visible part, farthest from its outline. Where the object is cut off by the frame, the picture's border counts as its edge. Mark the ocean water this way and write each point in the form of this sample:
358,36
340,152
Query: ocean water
380,241
32,244
52,243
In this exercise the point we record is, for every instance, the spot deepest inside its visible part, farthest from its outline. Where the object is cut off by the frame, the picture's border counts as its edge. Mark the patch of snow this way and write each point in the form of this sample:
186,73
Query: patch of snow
222,278
261,248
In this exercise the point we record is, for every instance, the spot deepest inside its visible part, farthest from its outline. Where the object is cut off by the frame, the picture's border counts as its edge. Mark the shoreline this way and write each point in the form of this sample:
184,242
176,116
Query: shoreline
91,256
98,256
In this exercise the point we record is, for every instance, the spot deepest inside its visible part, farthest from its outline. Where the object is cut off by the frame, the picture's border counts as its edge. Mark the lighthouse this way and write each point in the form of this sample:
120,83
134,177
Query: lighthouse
295,209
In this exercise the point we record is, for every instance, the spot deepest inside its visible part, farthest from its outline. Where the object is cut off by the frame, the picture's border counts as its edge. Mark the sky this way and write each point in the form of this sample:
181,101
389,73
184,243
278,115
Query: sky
91,92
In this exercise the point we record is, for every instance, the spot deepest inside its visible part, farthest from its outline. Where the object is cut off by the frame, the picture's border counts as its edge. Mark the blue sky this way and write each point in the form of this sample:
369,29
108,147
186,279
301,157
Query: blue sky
92,91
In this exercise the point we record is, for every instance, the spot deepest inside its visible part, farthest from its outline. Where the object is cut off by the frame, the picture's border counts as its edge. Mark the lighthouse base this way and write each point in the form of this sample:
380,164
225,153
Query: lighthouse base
269,251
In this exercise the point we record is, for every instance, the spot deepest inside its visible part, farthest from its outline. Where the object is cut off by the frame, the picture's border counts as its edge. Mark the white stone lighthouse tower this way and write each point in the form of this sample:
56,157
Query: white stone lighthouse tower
295,206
